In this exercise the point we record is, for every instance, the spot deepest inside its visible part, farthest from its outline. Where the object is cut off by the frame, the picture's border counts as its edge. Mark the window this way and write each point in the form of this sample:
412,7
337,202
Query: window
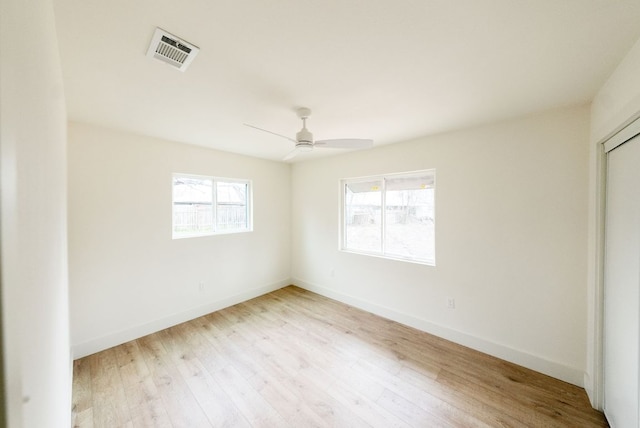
210,205
391,216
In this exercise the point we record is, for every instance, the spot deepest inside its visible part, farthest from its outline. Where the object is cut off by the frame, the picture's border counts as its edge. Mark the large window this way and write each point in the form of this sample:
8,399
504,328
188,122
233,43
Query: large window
210,205
391,216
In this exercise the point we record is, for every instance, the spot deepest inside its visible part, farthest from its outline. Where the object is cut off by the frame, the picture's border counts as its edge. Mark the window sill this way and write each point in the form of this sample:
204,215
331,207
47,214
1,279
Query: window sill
390,257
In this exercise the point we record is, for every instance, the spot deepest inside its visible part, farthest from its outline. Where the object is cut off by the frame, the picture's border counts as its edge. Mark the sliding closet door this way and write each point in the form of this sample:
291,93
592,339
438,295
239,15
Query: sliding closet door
622,286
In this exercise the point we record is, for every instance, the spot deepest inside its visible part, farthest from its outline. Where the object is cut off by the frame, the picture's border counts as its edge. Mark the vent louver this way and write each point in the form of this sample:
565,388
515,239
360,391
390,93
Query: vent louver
171,50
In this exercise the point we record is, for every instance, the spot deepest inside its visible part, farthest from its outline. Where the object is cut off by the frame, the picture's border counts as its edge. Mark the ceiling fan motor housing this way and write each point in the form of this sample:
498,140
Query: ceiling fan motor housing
304,136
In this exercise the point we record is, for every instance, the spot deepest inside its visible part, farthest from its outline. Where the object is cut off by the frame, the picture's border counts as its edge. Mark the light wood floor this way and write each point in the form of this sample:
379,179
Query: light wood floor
292,358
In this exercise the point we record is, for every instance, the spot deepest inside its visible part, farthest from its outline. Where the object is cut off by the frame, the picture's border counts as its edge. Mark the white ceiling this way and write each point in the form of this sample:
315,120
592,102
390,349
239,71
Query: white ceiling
381,69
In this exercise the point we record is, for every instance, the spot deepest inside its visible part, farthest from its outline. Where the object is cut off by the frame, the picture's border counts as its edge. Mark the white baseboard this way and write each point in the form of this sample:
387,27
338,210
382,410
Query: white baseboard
113,339
533,362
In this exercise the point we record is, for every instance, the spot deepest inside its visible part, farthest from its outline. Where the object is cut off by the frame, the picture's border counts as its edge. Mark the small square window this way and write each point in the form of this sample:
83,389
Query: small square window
391,216
209,205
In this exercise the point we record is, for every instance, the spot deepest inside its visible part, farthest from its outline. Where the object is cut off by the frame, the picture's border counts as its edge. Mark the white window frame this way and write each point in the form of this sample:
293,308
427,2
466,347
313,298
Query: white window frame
214,231
383,179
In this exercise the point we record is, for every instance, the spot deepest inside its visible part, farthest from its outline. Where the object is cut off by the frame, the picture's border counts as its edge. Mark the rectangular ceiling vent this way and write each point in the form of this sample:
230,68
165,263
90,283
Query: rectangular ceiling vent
171,49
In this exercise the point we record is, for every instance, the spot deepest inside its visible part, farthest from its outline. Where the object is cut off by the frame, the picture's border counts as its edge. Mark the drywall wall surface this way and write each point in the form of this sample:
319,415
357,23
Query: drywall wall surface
511,227
128,277
35,307
619,98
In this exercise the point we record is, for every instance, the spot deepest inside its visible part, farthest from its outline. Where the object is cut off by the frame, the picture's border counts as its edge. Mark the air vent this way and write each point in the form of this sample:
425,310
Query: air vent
171,49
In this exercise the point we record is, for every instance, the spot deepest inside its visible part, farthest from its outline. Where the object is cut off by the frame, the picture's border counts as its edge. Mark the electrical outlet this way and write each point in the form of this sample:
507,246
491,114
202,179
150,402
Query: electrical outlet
201,287
451,303
332,272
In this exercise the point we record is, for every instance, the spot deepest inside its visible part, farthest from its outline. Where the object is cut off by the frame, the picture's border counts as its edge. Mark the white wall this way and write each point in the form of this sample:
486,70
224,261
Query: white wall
128,277
511,232
619,98
615,105
35,318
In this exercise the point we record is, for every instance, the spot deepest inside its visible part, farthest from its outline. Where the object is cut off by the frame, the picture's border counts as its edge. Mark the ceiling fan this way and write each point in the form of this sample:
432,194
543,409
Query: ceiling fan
304,139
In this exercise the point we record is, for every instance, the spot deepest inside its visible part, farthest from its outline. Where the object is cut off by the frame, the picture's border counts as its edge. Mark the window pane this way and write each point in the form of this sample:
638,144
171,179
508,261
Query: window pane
409,218
192,205
391,215
231,205
363,215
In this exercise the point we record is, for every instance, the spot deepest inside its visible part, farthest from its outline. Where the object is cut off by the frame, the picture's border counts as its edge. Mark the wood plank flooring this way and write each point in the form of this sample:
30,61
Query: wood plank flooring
293,358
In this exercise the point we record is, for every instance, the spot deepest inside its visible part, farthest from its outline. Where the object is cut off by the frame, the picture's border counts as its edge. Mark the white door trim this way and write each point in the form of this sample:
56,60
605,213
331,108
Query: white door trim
608,143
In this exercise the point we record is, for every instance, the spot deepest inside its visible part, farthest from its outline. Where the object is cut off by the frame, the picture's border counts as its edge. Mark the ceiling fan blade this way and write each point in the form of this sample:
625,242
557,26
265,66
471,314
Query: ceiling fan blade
293,153
345,143
264,130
